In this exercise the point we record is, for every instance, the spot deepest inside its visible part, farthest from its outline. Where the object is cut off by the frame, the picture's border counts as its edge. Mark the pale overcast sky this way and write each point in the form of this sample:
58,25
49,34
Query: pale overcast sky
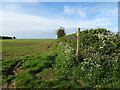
31,20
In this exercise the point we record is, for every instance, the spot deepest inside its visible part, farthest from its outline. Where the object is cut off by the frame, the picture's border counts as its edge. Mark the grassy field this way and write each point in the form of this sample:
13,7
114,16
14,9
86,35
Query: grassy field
23,57
21,47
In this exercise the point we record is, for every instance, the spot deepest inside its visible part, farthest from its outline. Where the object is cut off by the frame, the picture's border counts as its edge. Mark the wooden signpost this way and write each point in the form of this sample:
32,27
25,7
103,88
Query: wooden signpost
78,45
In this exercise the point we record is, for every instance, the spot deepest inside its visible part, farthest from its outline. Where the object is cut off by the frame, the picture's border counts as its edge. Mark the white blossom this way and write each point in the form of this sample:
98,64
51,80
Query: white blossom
100,47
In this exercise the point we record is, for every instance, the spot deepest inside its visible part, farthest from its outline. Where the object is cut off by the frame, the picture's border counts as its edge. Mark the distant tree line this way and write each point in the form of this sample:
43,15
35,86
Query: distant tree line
7,37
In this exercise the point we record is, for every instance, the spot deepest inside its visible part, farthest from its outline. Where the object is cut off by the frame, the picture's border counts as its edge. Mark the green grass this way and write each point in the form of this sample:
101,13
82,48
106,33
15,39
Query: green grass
24,70
21,47
57,67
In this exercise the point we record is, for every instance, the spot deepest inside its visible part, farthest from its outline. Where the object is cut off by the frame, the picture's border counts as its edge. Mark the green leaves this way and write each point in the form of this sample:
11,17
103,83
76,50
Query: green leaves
100,52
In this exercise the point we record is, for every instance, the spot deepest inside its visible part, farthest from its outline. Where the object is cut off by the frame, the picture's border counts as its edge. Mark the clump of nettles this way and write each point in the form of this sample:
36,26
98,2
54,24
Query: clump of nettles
65,61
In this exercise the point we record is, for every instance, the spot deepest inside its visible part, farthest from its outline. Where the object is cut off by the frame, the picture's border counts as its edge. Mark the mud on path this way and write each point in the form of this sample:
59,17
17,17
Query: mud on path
13,70
47,74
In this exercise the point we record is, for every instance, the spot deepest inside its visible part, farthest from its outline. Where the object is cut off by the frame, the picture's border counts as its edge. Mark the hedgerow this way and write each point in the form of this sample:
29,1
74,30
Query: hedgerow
97,67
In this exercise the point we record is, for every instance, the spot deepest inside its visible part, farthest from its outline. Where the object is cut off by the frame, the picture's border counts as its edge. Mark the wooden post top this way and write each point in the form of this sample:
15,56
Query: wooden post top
78,28
78,32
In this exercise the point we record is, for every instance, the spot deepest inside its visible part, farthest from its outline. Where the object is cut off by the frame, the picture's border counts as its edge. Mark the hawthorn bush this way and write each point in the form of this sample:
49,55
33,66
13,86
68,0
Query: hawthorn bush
99,63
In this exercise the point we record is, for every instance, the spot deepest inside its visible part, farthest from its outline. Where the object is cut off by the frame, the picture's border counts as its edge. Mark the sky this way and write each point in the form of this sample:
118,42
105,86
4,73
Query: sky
40,20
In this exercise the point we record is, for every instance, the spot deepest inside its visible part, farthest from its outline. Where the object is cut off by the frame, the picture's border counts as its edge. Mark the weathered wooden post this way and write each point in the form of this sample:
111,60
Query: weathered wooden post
78,45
